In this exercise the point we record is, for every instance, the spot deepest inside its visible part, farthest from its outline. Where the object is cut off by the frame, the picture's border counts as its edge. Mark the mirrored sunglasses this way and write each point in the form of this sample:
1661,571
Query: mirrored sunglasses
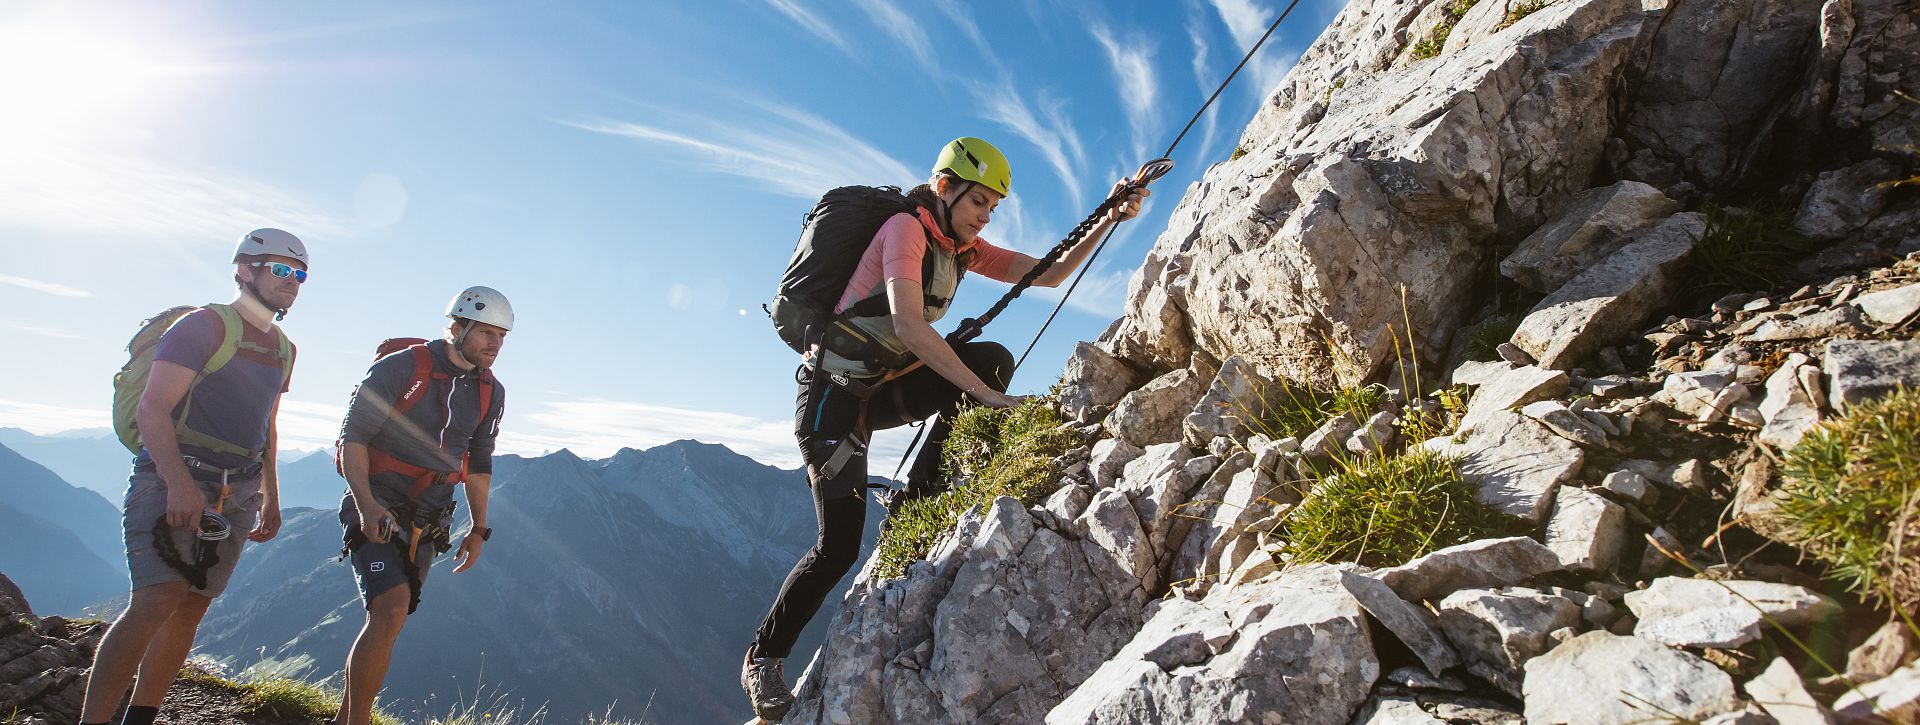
283,271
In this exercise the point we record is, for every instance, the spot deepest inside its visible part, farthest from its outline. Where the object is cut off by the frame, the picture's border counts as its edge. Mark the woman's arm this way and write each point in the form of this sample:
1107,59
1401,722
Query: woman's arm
1063,269
910,324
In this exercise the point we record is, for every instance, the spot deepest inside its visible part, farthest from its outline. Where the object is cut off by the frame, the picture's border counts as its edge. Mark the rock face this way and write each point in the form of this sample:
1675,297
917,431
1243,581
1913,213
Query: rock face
1234,657
1398,180
43,661
1577,147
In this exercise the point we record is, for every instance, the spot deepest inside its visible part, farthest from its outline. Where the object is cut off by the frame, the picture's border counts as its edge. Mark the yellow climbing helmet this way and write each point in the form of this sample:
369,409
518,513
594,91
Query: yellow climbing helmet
976,161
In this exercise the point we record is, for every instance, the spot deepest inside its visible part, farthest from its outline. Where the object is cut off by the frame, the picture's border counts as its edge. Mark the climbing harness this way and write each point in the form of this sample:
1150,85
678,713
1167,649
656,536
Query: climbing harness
212,528
971,328
412,529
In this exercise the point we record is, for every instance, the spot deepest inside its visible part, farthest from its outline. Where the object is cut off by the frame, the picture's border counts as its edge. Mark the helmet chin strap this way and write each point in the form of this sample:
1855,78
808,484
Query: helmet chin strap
460,346
253,288
945,212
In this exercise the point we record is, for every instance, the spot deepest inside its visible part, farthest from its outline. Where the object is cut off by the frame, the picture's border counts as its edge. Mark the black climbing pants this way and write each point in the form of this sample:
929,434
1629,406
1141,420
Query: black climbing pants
825,414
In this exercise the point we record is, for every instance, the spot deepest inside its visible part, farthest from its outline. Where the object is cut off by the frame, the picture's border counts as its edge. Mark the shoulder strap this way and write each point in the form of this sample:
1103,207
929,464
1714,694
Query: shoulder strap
286,356
417,385
232,329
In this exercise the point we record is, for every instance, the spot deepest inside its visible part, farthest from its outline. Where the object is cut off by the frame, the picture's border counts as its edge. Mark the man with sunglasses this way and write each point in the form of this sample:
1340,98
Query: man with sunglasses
204,472
424,418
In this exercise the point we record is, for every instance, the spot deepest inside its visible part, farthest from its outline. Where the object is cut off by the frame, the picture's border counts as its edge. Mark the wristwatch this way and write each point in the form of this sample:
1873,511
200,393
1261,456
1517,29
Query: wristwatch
485,532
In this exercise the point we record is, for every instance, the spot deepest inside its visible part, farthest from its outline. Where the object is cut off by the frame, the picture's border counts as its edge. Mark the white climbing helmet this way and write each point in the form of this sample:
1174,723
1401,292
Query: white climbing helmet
482,304
270,241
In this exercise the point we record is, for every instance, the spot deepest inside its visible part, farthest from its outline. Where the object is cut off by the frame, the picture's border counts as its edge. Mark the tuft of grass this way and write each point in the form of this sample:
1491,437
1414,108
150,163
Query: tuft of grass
1238,151
1386,510
1745,250
991,453
276,696
1295,410
1515,13
1484,336
1436,39
1853,498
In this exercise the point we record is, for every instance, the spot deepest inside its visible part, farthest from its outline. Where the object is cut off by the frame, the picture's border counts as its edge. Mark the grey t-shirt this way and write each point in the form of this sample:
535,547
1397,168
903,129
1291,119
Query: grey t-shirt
434,433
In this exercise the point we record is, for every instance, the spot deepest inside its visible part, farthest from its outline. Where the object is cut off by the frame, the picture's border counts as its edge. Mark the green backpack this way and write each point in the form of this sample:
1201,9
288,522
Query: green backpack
131,382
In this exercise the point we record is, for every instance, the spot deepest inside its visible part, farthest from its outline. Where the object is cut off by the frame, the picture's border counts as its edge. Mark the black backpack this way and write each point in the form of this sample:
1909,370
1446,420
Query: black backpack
832,239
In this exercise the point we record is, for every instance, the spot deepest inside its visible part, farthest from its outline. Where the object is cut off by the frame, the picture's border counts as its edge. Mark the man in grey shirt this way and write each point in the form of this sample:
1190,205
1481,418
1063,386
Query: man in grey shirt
424,419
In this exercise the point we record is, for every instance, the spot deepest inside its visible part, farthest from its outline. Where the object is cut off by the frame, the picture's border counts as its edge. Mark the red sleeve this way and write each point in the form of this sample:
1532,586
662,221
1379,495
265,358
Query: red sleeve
992,261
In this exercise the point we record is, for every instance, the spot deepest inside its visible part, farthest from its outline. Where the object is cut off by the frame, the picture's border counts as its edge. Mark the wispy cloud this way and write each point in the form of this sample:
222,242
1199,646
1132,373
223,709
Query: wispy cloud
596,428
42,419
1043,123
904,29
1246,21
1132,62
791,152
811,22
1203,75
73,189
53,288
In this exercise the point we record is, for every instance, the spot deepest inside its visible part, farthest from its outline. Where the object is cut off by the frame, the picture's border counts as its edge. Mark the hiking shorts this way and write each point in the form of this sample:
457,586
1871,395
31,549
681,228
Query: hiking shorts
146,502
378,567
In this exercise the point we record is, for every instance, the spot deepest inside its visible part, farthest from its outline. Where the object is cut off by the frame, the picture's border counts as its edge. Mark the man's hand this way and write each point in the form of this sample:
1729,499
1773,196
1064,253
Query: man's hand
376,523
184,504
469,552
269,524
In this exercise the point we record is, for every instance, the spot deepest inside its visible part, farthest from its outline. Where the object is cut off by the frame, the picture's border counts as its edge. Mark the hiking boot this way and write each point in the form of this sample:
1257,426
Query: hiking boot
766,684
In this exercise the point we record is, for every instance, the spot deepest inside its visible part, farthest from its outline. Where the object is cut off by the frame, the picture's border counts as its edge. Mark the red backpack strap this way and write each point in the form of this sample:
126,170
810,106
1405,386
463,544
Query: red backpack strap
418,385
486,404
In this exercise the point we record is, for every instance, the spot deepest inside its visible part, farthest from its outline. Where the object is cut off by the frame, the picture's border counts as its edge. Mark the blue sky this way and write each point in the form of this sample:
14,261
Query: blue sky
632,175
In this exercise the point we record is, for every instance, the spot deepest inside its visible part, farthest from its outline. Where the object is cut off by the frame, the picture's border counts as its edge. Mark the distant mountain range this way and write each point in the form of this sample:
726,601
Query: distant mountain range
632,583
94,459
61,544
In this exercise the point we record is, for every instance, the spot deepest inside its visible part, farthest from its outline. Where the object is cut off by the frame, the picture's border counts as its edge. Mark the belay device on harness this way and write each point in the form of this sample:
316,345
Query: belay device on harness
416,526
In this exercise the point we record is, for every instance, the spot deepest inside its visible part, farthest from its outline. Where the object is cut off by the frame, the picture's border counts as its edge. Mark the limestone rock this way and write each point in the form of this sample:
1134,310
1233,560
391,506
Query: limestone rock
1609,301
1479,564
1311,659
1306,240
1114,533
1844,200
1237,395
1395,710
1891,646
1891,307
1329,439
1701,613
1714,71
1789,408
1893,699
1694,393
1414,626
1094,380
1516,463
1588,226
1500,386
1840,320
1570,425
1153,414
1375,435
1859,370
1500,629
1197,526
1109,460
1627,679
1779,691
1628,485
1587,531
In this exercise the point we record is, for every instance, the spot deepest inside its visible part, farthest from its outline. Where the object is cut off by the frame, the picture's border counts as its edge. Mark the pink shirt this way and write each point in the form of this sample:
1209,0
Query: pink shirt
899,247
